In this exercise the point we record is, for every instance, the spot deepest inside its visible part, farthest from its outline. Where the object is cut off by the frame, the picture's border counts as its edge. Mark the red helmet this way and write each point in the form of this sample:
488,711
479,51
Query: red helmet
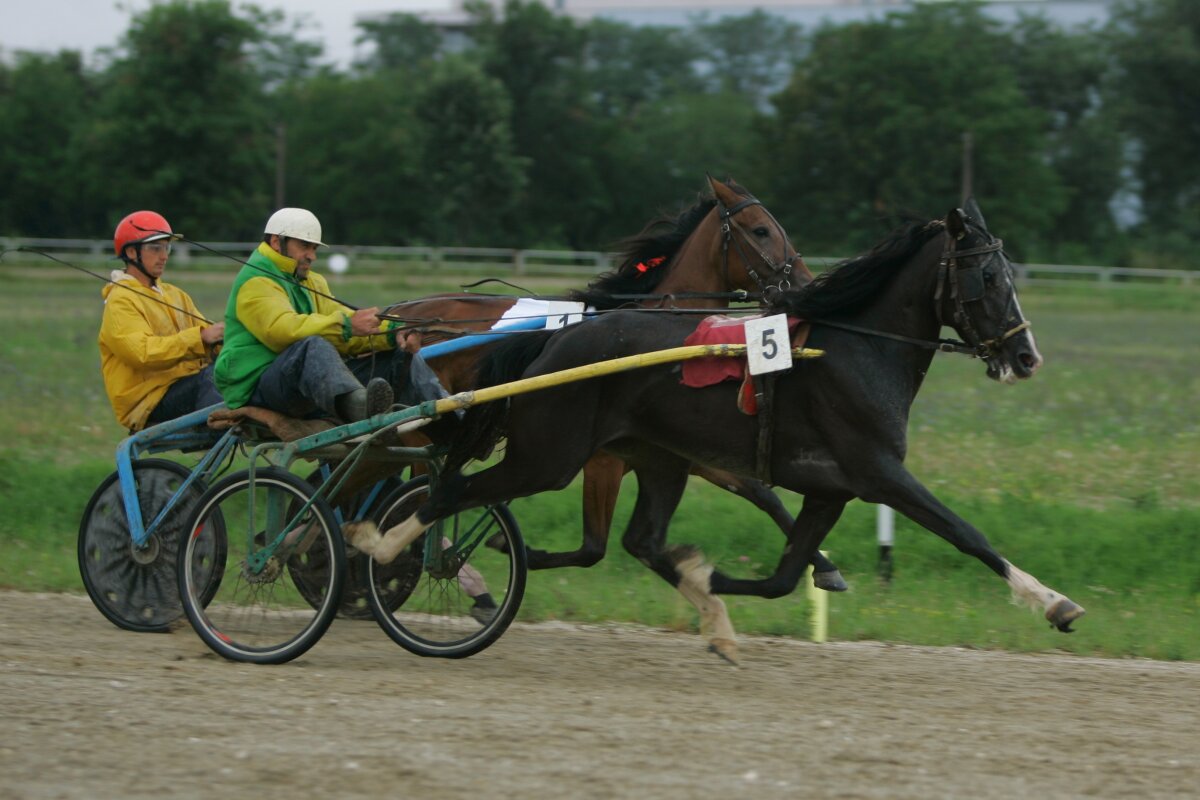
141,226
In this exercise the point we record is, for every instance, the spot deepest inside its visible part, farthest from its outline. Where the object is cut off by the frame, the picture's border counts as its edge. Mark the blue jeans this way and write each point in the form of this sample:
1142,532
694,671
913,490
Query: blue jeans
308,376
192,393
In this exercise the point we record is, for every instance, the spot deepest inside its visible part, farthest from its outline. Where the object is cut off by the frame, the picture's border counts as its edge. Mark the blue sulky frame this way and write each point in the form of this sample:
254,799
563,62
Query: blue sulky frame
185,434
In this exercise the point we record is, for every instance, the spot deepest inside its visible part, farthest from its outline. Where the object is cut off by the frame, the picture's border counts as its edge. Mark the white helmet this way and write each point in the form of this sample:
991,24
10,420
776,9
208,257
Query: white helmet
295,223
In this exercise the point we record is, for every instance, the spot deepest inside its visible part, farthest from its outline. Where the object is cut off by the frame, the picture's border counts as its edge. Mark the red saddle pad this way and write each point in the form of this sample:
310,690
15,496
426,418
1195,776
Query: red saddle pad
720,329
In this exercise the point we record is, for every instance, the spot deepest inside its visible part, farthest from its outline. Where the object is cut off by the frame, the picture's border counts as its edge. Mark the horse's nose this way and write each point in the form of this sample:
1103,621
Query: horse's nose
1029,360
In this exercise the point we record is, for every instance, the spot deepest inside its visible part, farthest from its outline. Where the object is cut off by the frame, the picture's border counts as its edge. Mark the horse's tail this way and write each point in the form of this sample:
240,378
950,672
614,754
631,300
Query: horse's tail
485,424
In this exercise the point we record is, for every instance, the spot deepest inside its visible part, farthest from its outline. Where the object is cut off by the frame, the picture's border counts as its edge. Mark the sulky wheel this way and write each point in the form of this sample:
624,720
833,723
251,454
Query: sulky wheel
135,587
454,604
260,614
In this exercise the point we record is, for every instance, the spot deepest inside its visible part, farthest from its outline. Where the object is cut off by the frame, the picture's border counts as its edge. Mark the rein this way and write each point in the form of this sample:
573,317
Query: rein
940,345
118,284
422,323
198,317
291,278
738,295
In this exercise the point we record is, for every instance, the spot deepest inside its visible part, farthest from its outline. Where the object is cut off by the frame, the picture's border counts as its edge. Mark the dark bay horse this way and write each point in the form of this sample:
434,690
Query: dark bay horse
722,244
840,426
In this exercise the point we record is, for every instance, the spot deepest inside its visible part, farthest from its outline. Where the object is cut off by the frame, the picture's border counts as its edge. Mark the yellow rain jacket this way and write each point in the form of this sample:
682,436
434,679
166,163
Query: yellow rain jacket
146,346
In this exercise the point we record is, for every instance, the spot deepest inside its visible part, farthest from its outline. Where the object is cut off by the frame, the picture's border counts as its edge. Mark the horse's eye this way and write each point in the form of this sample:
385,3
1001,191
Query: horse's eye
761,232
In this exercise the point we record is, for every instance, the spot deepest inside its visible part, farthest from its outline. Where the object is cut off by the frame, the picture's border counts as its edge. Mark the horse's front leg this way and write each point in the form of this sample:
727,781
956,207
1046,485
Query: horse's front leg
906,494
817,517
825,573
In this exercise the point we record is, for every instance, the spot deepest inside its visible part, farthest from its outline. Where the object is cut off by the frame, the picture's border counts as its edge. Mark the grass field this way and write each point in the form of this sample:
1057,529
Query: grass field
1087,476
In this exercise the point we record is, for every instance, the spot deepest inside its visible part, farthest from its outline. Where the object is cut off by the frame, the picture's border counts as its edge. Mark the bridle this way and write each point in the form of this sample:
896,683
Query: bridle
966,285
782,270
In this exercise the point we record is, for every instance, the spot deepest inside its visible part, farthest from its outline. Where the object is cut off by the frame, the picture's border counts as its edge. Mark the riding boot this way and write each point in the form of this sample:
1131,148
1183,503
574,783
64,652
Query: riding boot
367,401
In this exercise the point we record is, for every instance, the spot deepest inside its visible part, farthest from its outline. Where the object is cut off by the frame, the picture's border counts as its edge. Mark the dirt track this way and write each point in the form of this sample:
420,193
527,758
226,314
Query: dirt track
563,711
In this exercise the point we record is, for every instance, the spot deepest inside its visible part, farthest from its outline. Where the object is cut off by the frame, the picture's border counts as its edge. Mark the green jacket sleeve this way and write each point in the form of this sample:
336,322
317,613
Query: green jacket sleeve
350,345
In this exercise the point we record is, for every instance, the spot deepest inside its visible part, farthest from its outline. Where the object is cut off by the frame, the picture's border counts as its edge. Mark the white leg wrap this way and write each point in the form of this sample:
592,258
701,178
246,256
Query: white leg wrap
363,536
694,585
1028,590
396,538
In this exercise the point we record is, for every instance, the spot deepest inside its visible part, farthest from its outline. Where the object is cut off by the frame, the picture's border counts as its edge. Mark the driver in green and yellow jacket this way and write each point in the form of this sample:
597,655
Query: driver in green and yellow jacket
293,348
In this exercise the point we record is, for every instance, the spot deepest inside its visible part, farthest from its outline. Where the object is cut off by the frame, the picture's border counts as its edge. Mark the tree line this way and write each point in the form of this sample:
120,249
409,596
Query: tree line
537,130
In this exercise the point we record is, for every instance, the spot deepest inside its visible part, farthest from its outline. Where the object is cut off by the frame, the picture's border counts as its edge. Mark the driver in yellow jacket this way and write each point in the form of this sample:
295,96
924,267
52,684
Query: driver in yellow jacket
154,343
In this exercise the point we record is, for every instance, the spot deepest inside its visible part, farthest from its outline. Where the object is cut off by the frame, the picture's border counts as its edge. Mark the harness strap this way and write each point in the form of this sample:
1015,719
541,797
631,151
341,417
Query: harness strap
736,207
764,394
939,292
941,345
990,247
137,264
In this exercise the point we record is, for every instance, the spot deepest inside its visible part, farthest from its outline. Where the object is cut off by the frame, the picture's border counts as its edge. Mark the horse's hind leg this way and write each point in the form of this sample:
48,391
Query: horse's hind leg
825,573
601,482
660,487
817,518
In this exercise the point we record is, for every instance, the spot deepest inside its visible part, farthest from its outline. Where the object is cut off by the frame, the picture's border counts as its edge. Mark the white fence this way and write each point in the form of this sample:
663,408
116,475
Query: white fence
1063,274
501,261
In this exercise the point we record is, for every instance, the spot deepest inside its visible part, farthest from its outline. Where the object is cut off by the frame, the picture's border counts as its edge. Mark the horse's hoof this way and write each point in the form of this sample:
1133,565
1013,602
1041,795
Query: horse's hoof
725,648
830,581
362,536
498,542
1063,613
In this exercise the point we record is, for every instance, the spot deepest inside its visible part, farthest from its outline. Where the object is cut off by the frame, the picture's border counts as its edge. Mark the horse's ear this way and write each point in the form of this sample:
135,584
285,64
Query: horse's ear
722,192
956,223
974,212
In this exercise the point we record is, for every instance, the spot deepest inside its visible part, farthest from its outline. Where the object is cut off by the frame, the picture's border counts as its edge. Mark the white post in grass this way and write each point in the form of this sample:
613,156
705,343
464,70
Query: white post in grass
818,604
885,532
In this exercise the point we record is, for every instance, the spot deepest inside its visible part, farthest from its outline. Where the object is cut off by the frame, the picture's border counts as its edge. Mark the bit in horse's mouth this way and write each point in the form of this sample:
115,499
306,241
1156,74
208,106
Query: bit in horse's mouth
1002,372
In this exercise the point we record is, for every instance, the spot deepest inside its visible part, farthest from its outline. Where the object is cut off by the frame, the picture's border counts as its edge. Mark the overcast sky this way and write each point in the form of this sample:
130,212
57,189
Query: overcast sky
88,24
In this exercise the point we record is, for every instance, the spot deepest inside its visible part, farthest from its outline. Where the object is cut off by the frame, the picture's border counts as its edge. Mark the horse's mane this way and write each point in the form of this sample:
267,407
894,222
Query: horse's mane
646,258
850,284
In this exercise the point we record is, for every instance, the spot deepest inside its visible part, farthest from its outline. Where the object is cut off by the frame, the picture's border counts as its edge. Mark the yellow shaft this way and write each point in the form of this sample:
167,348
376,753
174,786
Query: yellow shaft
624,364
